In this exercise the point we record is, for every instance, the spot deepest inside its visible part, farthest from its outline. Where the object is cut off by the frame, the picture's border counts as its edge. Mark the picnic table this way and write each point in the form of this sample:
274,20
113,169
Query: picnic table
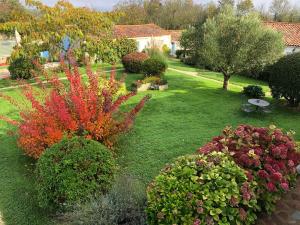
256,105
259,103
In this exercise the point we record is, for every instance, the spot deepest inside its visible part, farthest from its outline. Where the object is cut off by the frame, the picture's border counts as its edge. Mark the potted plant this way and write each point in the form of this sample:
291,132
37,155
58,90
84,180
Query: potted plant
163,85
140,86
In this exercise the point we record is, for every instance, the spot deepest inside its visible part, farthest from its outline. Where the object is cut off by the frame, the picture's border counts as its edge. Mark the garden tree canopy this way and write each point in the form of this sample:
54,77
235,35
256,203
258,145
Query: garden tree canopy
11,10
232,44
52,24
133,12
245,6
280,9
169,14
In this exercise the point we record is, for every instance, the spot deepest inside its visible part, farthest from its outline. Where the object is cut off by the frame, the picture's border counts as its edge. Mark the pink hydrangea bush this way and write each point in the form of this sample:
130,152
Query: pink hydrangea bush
267,154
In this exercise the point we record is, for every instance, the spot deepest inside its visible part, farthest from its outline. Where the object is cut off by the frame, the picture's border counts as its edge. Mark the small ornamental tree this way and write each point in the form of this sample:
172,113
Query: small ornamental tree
232,44
85,108
268,155
285,79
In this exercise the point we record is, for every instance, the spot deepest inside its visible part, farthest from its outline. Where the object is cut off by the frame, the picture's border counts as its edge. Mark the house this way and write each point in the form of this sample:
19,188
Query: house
291,35
175,40
146,35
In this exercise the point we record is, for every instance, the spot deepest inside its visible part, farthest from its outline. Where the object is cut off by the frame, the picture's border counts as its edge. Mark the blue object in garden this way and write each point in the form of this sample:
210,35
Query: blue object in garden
66,43
45,54
173,50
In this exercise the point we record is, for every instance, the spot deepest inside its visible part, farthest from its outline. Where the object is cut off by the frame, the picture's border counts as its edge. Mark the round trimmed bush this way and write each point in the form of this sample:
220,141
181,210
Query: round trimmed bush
72,170
133,62
154,67
200,189
285,79
253,91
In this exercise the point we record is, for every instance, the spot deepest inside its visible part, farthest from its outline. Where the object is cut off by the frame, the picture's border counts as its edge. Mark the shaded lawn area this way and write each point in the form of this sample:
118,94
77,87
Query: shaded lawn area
173,123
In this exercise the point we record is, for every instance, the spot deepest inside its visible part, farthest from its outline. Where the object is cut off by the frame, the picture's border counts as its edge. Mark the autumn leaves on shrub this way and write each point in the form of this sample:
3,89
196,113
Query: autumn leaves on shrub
267,154
84,107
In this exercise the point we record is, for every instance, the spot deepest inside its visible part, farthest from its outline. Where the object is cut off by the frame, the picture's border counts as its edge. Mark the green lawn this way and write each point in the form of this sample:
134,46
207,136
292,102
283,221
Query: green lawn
173,123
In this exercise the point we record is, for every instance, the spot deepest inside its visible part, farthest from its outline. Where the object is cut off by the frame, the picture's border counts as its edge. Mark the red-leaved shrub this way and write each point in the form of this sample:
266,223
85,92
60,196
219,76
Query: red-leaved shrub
84,107
268,155
133,62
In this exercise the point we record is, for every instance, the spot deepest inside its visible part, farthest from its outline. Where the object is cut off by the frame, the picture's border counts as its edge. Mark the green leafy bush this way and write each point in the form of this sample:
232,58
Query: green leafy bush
124,204
21,68
22,58
253,91
285,79
125,46
179,53
154,67
151,79
133,62
72,170
200,189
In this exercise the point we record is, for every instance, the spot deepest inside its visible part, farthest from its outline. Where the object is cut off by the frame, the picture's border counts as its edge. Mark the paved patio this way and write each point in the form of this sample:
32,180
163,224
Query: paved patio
287,210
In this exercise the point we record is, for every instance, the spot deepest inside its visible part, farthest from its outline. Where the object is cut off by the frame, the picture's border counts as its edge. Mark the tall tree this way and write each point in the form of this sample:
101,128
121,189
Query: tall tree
245,6
63,19
280,9
223,3
132,12
11,10
153,10
233,44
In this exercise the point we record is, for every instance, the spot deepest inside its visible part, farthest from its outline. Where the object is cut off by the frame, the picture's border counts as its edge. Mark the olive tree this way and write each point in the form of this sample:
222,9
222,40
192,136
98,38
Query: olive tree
232,44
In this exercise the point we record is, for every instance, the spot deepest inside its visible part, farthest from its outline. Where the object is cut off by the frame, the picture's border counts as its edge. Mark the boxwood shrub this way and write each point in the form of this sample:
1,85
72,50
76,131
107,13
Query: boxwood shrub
285,79
268,154
202,189
253,91
154,67
133,62
72,170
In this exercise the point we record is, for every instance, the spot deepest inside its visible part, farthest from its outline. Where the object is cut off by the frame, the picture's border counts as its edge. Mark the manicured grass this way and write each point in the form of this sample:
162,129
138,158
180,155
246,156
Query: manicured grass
235,79
180,120
173,123
104,66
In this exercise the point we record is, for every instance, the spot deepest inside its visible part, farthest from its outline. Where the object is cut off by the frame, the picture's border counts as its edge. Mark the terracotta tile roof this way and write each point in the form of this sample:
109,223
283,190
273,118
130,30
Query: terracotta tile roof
142,30
175,34
291,32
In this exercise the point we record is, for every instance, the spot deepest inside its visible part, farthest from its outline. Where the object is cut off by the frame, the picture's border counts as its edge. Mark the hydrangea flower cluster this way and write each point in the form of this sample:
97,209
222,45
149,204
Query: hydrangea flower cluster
267,154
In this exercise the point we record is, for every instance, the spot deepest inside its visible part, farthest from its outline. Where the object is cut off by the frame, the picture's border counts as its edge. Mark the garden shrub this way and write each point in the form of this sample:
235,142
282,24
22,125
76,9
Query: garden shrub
253,91
72,170
285,79
125,46
151,79
22,61
154,67
166,50
156,53
199,189
133,62
268,155
123,204
76,107
179,53
21,68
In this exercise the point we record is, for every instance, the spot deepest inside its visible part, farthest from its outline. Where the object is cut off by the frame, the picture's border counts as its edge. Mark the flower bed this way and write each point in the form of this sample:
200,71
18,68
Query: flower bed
268,155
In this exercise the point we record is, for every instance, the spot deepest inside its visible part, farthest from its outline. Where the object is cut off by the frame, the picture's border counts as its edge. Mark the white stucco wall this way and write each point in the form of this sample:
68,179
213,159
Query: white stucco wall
291,49
148,42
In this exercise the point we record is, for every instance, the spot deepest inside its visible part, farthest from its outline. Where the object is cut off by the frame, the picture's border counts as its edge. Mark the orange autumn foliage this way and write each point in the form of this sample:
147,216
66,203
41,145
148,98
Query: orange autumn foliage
79,107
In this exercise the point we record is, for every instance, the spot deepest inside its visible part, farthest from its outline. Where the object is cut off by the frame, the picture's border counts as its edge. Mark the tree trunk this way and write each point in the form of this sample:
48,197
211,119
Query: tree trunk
226,81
